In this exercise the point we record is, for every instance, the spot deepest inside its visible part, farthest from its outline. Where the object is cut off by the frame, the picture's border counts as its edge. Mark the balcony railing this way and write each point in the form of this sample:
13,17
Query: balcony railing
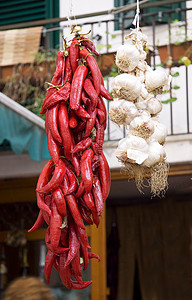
175,115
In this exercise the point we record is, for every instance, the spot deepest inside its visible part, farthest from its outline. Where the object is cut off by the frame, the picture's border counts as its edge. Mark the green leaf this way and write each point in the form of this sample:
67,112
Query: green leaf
176,87
113,36
172,99
176,74
109,46
101,46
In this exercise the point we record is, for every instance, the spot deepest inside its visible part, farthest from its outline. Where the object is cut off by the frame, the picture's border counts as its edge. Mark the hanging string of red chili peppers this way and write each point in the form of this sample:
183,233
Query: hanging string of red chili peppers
75,182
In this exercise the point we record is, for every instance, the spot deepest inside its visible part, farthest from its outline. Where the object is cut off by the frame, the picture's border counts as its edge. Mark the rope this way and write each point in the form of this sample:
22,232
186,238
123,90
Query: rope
136,19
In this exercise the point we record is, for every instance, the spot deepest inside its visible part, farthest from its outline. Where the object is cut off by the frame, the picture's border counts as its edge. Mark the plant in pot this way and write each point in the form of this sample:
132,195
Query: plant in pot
179,49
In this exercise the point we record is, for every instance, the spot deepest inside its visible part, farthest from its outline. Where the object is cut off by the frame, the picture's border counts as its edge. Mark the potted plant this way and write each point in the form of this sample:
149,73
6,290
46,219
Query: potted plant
179,46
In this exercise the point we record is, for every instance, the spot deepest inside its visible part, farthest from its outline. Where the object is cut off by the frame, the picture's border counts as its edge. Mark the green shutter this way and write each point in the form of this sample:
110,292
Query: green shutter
15,11
164,19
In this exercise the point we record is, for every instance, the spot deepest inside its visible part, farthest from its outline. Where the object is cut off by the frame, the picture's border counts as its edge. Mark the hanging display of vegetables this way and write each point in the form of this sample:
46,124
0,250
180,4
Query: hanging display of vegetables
142,151
75,182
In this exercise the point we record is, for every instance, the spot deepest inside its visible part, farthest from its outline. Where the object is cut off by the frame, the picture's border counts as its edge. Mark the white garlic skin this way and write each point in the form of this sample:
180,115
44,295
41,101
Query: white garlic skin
156,79
160,132
136,148
156,153
123,108
154,106
126,86
127,57
142,121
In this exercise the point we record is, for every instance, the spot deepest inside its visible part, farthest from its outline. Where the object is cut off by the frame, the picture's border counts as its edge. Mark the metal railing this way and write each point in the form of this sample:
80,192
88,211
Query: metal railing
175,115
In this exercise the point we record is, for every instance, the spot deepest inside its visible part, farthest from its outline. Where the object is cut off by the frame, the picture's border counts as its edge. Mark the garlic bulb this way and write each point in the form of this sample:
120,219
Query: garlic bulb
153,106
126,86
142,126
156,80
144,92
160,132
122,112
156,153
134,149
141,104
127,57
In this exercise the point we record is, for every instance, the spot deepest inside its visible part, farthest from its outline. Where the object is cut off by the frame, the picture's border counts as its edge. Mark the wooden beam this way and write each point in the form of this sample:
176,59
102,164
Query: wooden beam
174,170
98,269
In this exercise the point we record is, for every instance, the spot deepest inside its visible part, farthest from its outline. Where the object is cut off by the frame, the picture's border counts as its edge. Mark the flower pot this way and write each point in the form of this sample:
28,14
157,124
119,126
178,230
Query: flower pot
183,49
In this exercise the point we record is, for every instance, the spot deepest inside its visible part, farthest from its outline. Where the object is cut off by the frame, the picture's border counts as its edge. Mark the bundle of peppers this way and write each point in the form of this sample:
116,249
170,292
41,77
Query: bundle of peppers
75,182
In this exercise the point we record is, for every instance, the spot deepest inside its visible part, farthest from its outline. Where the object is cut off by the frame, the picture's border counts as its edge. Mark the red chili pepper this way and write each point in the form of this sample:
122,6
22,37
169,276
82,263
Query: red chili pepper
95,162
90,123
97,194
88,199
51,117
74,55
99,137
54,149
76,268
65,272
85,214
104,176
81,126
96,218
101,116
38,223
58,76
82,113
77,86
56,180
73,119
60,201
92,64
63,121
74,210
86,169
47,200
49,261
91,92
93,255
104,92
60,95
82,235
74,244
63,237
55,224
46,125
73,185
60,65
84,255
86,100
80,190
65,185
76,163
82,145
89,45
56,251
68,70
79,286
42,181
101,106
101,76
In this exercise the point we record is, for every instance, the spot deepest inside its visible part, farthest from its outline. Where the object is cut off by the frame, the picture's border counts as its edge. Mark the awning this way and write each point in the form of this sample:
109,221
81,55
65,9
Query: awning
22,129
19,45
